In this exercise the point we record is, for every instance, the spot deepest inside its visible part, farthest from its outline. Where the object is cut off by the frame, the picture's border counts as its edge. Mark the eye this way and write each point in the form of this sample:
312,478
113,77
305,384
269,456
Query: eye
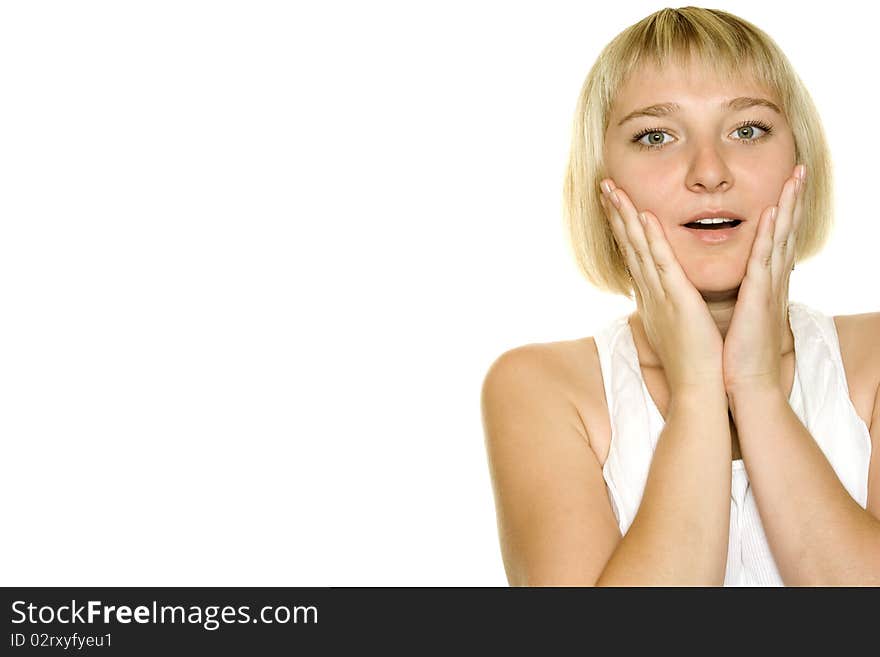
750,127
650,132
747,126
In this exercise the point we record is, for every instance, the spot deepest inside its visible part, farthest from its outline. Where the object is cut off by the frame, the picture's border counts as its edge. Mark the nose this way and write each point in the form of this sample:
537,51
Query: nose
708,170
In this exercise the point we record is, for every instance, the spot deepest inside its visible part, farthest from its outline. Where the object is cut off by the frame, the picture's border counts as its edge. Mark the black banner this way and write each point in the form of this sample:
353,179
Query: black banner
135,621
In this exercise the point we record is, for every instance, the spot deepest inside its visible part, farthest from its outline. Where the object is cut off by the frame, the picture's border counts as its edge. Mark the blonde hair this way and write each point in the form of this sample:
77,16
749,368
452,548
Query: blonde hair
728,46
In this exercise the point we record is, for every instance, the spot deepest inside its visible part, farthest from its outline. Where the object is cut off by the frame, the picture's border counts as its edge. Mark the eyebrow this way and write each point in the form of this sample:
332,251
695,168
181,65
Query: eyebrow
664,109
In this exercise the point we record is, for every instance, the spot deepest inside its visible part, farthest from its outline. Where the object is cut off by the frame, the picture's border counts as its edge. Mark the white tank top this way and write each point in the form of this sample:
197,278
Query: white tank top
819,397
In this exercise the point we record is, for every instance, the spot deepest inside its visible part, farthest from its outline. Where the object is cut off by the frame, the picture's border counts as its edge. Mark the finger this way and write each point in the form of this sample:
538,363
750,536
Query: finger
761,258
669,270
783,228
785,223
618,221
615,222
800,203
635,232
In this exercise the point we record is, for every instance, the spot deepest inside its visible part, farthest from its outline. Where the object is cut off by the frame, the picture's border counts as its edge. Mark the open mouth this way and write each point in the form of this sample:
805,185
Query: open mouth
714,234
719,226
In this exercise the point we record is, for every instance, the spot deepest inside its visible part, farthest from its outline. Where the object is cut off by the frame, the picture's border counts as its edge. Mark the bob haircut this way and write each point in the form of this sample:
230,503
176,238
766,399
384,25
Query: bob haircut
725,45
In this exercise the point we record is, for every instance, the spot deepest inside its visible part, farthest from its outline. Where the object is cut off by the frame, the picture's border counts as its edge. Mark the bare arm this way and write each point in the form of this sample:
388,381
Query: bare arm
679,536
819,535
555,521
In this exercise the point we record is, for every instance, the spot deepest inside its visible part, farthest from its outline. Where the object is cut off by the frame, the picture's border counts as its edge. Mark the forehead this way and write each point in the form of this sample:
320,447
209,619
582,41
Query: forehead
695,85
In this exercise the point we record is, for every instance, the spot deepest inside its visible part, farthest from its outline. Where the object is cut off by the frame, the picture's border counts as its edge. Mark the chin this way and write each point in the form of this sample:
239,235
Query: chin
717,281
719,294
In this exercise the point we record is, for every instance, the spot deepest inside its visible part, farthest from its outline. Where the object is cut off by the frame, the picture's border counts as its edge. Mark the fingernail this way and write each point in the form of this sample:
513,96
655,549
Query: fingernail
642,217
606,187
615,200
803,171
773,213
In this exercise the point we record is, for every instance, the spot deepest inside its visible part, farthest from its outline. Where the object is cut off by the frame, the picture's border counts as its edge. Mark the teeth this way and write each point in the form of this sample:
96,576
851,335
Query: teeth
716,220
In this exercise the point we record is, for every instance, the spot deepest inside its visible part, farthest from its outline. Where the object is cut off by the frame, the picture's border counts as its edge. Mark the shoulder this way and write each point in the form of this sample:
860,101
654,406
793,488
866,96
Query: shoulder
861,324
553,363
865,339
555,372
859,337
864,336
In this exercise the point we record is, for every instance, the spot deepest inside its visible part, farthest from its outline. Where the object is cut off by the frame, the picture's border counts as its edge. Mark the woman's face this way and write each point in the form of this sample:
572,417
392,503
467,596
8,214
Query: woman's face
705,158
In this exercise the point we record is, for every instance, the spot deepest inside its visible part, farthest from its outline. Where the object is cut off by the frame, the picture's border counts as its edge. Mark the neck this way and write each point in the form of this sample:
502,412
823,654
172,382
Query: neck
720,304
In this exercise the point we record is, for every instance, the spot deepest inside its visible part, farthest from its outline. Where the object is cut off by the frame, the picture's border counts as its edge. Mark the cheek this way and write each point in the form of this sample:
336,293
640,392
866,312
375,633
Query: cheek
659,190
766,193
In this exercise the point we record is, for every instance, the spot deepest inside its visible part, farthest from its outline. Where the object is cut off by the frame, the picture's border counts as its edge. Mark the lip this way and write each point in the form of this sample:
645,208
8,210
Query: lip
716,236
711,214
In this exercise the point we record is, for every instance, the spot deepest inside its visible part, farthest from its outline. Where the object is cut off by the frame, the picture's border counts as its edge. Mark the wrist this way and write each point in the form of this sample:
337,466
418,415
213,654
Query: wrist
710,382
761,384
753,397
698,394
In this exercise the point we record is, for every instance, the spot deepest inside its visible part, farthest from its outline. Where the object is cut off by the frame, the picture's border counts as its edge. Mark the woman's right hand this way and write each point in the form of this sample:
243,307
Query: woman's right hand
676,319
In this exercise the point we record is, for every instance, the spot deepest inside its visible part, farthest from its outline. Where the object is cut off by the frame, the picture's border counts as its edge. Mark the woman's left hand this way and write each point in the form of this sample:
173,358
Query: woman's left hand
751,355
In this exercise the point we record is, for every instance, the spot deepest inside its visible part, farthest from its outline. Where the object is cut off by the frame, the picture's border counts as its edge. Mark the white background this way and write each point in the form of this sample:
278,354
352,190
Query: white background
256,258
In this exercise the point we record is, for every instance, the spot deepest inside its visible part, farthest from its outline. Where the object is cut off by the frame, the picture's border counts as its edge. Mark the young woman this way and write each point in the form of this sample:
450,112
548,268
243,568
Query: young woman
719,435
